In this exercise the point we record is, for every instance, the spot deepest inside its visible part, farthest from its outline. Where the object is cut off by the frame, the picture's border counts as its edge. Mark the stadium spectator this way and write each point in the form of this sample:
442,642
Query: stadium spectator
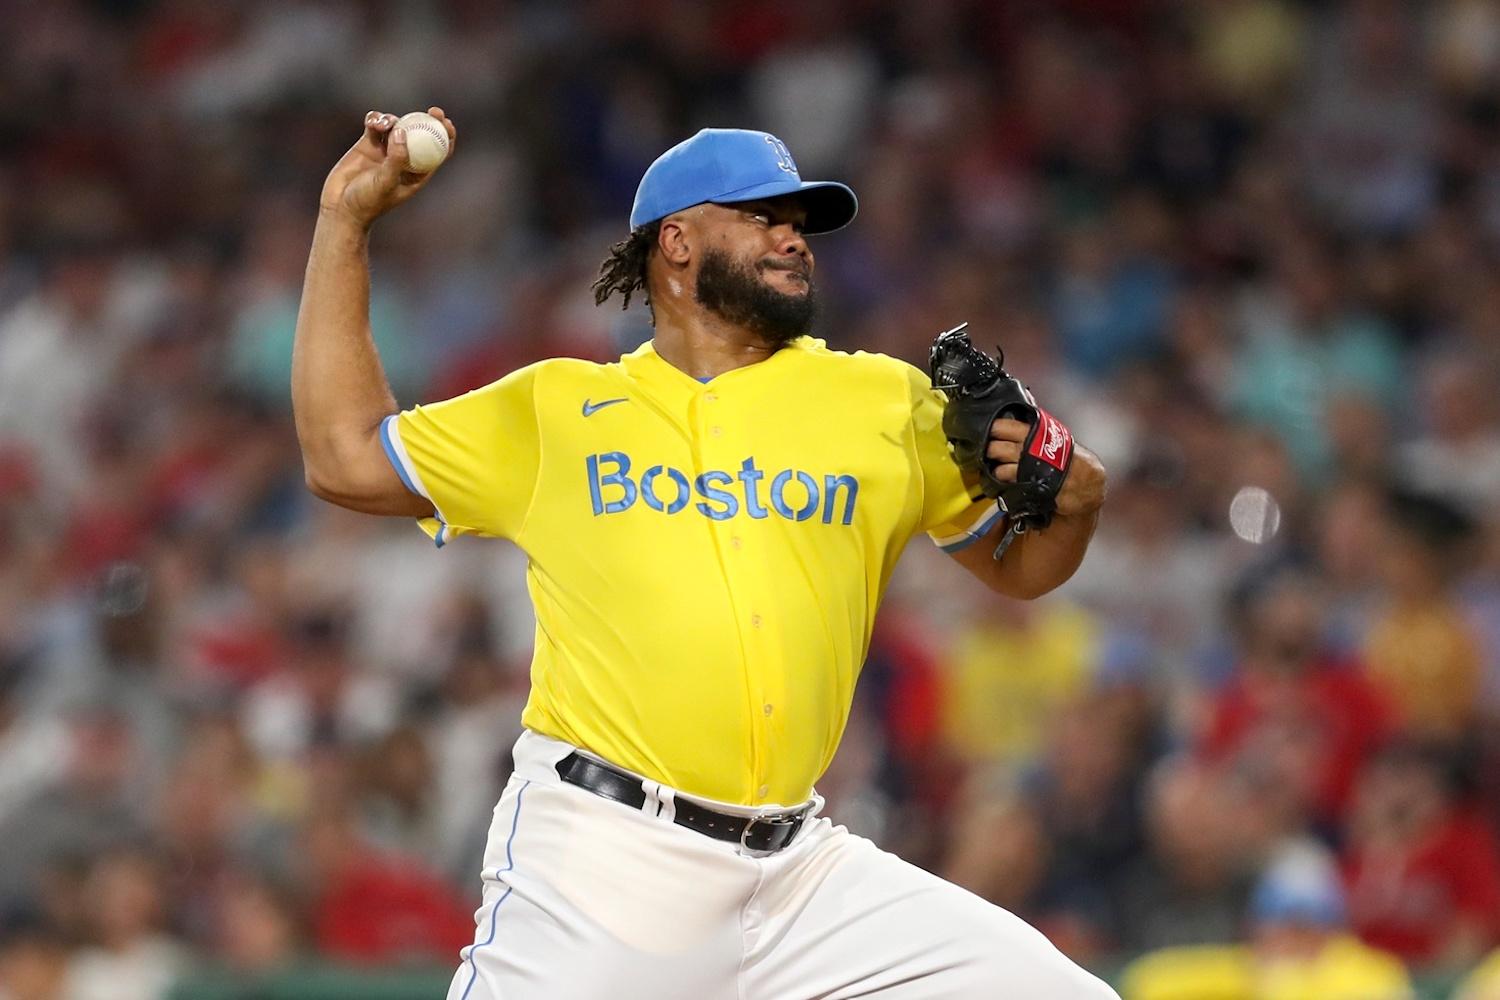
1009,668
1458,453
1423,872
1292,705
1420,648
1192,883
259,932
1300,949
1148,537
469,737
131,956
1051,844
1306,350
373,906
93,807
319,698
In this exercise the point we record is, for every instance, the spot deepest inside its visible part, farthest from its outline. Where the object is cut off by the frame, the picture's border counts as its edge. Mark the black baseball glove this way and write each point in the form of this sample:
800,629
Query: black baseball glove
979,393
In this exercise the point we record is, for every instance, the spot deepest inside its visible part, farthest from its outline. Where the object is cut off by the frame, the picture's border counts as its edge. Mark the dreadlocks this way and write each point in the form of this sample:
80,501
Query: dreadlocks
624,270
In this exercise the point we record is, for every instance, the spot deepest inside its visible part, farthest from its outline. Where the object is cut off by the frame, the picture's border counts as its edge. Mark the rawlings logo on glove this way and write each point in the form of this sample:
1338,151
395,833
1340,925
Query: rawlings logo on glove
980,392
1052,442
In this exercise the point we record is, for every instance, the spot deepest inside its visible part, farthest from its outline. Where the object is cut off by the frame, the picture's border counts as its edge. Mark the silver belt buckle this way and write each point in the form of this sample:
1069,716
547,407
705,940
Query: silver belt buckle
780,820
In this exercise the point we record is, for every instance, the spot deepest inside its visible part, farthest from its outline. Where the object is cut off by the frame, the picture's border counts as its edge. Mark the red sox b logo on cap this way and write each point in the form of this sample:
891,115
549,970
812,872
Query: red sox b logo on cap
783,155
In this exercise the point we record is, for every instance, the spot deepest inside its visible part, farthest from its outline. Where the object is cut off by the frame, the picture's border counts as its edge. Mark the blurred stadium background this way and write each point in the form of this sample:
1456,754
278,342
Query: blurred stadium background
249,744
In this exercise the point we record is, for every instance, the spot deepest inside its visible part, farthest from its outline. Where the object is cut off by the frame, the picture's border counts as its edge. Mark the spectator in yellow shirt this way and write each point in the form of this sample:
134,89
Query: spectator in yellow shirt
1300,949
1012,667
1420,648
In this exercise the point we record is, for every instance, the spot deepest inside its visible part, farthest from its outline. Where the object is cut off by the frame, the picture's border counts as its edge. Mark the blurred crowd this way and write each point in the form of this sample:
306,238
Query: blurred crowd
1248,249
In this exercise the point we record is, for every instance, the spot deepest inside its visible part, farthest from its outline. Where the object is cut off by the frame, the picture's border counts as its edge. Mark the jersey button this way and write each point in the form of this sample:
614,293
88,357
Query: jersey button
755,620
716,431
768,709
735,541
709,397
764,791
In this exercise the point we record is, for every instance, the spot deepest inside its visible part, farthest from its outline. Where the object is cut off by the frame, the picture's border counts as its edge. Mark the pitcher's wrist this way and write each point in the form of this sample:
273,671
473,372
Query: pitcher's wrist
339,218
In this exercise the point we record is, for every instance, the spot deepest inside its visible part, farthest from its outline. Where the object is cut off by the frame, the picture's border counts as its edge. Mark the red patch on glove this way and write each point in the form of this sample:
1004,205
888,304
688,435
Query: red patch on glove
1051,442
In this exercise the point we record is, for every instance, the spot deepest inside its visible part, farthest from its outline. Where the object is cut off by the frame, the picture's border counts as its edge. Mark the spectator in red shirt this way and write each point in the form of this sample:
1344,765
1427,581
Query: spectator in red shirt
378,907
1292,704
1422,870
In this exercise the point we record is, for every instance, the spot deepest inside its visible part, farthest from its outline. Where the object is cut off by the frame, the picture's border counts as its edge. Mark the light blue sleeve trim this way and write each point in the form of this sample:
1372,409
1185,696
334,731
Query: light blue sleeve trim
961,541
388,442
395,453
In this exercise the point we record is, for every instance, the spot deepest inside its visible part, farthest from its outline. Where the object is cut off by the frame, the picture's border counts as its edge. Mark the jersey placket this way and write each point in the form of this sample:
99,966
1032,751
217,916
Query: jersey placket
720,444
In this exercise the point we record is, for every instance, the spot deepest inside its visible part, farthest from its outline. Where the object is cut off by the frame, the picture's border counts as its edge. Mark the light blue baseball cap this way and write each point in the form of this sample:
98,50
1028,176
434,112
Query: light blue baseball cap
1301,887
734,164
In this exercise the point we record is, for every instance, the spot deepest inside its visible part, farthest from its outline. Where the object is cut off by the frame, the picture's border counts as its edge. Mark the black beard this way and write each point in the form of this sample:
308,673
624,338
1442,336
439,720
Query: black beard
737,293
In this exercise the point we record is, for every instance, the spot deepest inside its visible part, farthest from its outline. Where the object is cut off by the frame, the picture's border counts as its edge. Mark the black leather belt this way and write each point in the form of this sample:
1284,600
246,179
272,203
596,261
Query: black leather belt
764,834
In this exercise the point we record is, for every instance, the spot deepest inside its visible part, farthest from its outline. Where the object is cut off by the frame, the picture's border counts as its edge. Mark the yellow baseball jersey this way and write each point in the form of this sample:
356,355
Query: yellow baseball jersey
705,558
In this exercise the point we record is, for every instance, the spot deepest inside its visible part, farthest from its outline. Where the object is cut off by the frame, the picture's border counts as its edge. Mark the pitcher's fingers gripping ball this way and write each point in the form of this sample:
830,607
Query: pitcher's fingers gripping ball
980,392
427,141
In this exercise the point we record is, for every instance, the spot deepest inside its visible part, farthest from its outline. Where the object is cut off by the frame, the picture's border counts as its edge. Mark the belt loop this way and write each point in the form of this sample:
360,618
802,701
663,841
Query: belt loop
652,805
668,798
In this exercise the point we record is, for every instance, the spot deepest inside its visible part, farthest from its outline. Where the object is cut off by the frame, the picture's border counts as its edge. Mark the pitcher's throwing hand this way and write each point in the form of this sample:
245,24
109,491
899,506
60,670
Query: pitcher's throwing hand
373,177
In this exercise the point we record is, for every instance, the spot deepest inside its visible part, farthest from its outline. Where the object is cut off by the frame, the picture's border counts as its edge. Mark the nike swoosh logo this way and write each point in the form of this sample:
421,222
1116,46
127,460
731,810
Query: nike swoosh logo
589,409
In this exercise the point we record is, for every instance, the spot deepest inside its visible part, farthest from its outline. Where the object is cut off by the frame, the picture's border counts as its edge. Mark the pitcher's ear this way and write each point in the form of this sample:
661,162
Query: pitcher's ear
675,242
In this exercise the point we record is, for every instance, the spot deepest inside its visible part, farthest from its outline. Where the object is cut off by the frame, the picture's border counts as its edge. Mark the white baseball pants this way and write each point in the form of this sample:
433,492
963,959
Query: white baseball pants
587,899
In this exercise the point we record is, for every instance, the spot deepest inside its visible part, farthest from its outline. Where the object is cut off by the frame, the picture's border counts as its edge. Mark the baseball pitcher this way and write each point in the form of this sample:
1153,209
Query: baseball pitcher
710,522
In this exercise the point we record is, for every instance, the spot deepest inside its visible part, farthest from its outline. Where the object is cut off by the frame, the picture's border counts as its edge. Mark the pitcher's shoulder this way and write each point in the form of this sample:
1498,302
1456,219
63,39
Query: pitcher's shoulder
577,371
871,363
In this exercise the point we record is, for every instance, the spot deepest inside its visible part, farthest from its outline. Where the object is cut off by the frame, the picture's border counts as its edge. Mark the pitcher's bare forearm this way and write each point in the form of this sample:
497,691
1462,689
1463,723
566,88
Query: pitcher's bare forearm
1042,560
1037,562
339,390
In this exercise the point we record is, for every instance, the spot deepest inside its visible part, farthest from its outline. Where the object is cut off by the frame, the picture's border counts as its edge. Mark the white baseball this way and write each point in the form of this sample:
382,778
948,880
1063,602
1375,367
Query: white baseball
427,142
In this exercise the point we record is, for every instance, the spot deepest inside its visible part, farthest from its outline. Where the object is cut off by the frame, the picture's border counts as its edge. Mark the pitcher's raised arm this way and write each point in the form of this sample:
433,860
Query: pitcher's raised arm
339,390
